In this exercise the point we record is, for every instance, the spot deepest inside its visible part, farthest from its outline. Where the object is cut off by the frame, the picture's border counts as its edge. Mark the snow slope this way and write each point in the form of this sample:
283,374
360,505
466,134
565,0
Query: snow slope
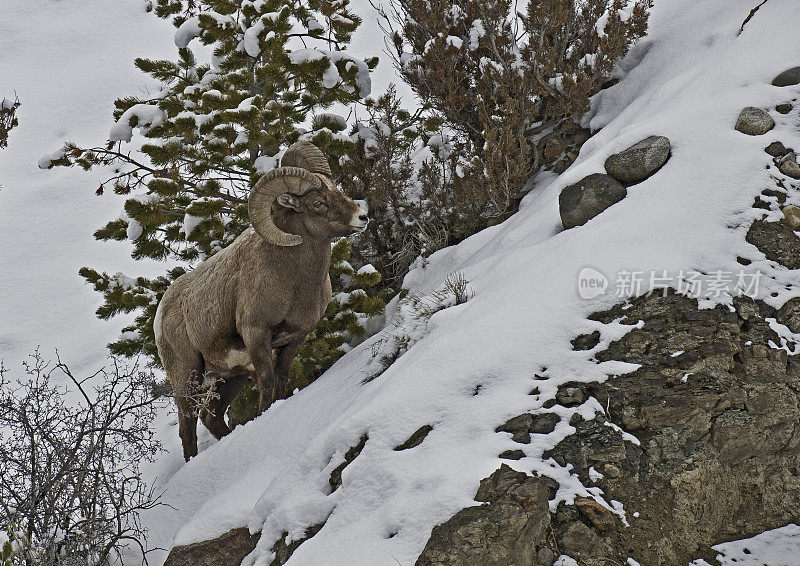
477,362
67,61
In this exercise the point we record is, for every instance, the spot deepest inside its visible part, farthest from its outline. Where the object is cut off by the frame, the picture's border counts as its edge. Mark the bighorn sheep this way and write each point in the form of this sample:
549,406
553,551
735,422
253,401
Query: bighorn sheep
244,312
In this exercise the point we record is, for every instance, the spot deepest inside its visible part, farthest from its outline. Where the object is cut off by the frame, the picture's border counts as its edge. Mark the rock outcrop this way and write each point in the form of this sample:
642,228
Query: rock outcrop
226,550
590,196
509,529
777,241
715,406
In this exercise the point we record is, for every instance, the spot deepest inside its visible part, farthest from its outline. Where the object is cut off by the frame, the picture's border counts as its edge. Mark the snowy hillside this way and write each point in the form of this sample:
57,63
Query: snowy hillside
66,80
475,364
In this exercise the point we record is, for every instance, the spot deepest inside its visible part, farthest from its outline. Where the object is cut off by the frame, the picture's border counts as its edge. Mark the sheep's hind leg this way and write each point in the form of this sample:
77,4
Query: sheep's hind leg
184,391
222,392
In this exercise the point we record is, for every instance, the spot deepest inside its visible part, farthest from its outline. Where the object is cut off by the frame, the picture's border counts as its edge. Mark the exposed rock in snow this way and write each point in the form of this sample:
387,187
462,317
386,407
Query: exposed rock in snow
788,165
777,241
788,77
776,149
717,456
508,530
792,215
754,121
587,198
226,550
639,161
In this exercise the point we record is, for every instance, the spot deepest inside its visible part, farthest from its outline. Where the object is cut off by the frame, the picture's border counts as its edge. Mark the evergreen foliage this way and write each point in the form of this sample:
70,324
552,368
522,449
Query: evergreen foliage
15,549
212,130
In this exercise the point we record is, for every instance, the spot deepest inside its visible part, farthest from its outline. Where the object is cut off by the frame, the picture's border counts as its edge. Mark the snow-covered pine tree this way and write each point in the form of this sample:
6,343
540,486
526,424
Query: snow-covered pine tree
212,130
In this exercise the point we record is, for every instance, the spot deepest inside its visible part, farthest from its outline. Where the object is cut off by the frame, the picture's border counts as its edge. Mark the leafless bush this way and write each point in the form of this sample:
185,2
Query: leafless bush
8,118
70,483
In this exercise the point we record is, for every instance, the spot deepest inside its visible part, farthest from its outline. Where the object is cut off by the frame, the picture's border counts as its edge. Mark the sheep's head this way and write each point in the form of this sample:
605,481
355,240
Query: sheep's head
305,185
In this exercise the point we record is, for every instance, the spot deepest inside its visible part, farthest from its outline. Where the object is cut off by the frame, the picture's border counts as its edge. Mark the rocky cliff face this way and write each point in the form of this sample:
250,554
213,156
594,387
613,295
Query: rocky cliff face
715,406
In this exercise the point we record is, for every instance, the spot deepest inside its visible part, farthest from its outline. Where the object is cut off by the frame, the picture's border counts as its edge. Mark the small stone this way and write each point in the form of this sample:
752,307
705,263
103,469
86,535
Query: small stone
544,423
578,538
566,513
783,108
512,455
586,341
776,149
787,78
519,427
545,557
599,516
754,121
639,161
611,471
571,396
792,215
552,148
587,198
788,165
416,438
562,165
580,137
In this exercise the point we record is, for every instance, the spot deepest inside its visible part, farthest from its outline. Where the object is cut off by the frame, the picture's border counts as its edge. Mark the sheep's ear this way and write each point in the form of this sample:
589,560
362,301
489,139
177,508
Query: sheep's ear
289,201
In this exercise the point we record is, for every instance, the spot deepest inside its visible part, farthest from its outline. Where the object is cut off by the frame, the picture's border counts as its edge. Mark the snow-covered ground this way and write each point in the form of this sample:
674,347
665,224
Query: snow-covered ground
778,547
474,365
67,61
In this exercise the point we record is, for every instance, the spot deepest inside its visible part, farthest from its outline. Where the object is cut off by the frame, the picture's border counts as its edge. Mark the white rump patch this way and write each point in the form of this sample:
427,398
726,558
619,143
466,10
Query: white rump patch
235,358
157,323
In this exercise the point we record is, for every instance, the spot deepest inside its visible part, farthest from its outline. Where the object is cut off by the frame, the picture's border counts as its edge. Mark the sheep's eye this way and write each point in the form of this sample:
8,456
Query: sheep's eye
318,204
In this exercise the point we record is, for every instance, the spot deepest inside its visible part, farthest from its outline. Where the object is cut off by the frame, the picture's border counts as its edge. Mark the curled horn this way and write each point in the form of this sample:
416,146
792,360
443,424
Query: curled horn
278,181
307,156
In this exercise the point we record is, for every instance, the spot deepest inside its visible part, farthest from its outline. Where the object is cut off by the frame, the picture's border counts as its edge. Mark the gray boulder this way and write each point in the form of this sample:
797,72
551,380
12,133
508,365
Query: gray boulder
788,165
639,161
754,121
792,215
788,78
776,149
587,198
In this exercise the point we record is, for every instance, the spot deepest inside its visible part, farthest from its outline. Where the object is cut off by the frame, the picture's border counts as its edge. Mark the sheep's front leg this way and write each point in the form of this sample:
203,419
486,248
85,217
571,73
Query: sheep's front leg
258,342
283,366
